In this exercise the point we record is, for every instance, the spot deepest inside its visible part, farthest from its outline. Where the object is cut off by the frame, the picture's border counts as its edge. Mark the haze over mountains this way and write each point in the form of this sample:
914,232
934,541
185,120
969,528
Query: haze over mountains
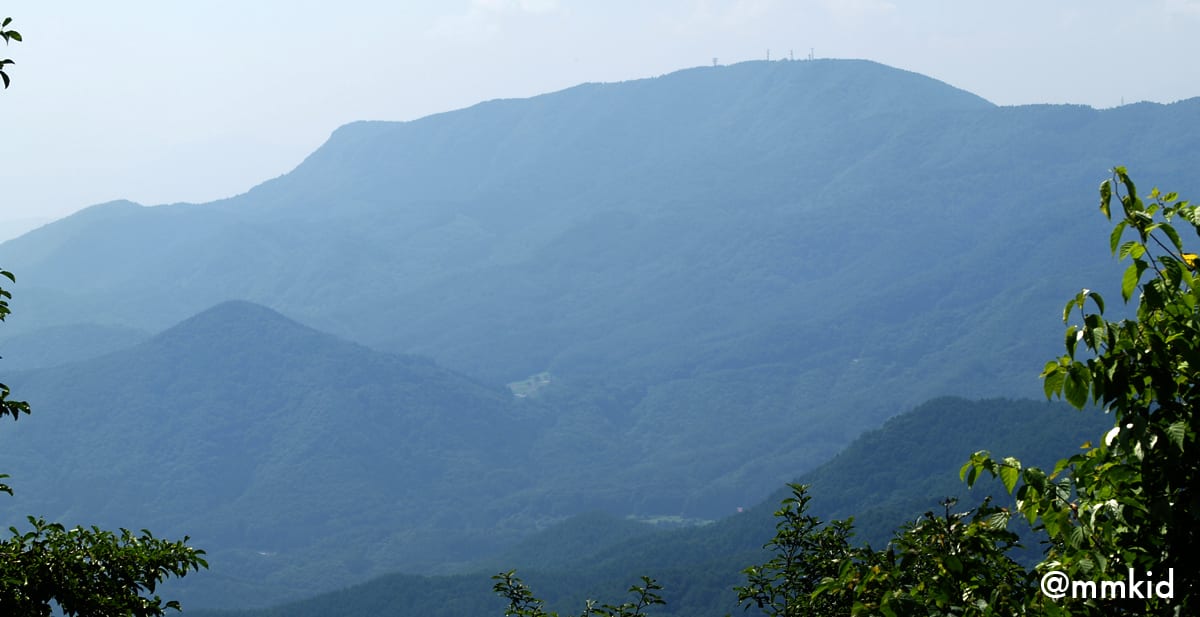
278,446
727,273
884,477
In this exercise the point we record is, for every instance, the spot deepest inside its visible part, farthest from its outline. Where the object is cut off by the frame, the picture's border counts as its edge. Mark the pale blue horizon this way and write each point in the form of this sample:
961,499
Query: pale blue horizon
162,102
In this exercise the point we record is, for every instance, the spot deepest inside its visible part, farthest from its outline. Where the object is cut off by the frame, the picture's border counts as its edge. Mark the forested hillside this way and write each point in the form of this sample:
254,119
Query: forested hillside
298,460
720,276
884,478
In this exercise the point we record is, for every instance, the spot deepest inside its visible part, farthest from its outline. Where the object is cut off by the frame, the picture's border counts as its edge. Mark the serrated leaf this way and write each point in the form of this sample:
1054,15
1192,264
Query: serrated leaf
1106,199
1052,379
1009,476
1133,247
1176,433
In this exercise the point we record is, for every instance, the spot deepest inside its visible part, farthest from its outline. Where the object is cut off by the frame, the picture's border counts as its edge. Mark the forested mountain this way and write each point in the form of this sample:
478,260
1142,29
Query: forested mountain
721,276
299,461
884,478
786,252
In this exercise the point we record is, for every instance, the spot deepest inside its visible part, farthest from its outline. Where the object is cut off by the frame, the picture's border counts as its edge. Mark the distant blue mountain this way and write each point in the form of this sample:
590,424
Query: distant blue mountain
298,460
723,275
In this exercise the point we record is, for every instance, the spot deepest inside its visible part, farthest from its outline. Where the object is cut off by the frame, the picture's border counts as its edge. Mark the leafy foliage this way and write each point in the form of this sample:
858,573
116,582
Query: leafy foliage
805,555
950,564
84,572
522,602
8,36
89,572
1129,501
8,407
955,563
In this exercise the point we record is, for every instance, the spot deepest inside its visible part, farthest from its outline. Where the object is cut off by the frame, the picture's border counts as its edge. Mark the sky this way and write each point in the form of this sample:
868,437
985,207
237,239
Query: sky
160,101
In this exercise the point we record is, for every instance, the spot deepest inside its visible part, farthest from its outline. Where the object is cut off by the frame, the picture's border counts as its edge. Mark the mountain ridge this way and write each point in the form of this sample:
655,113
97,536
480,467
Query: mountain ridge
687,269
722,287
269,443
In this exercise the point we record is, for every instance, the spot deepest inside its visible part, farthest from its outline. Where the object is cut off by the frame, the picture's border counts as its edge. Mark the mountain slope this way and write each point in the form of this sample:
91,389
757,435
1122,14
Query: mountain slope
727,272
884,478
298,460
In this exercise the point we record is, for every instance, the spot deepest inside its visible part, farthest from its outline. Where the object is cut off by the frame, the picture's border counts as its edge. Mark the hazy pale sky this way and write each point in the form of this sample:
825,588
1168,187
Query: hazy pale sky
162,101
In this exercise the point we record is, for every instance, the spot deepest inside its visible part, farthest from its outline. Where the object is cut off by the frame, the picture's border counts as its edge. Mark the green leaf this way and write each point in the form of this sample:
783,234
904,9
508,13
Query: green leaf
1077,384
967,470
1133,275
1052,379
1176,433
1174,236
1106,199
1010,472
1075,540
1130,189
1114,239
1133,247
14,35
1034,476
1072,338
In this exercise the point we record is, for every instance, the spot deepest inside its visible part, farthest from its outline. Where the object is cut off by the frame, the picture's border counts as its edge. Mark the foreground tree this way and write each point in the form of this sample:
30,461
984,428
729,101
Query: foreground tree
941,564
805,554
522,602
1130,504
84,572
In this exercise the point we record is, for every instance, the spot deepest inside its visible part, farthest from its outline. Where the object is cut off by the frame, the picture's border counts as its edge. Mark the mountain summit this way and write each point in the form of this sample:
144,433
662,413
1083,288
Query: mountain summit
269,443
722,275
596,135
